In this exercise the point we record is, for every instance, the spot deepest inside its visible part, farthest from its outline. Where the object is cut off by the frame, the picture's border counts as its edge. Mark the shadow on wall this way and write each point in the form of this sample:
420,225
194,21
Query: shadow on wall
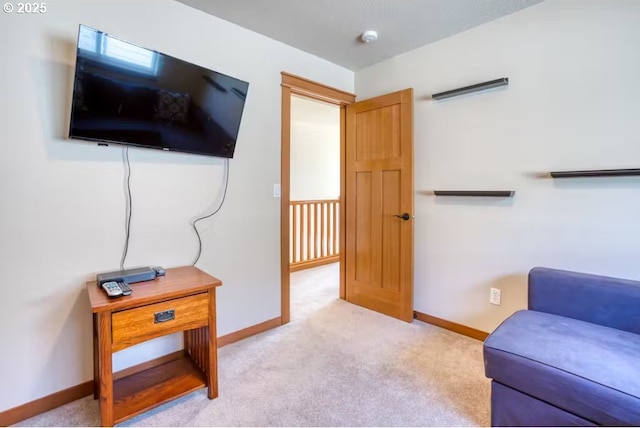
590,183
474,201
53,81
513,298
53,89
70,327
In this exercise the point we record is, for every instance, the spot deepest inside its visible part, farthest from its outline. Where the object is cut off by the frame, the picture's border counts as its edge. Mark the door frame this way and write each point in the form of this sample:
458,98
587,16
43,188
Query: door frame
295,85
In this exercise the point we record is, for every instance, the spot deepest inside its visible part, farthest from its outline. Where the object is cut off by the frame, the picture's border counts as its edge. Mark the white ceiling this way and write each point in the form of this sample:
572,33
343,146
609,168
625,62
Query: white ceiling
330,29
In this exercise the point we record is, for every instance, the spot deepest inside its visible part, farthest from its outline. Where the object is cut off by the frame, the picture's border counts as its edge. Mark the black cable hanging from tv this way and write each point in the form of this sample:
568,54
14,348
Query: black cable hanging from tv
128,205
214,212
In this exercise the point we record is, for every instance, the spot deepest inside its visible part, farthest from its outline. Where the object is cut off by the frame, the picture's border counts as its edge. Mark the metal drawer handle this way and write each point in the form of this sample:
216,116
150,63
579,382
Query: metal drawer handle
164,316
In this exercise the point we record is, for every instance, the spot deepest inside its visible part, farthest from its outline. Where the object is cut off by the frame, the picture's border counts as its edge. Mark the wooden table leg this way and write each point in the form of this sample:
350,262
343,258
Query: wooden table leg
106,374
212,348
187,343
96,359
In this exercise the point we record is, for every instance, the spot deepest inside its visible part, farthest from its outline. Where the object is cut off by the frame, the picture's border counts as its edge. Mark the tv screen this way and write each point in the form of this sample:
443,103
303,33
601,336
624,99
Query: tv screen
127,94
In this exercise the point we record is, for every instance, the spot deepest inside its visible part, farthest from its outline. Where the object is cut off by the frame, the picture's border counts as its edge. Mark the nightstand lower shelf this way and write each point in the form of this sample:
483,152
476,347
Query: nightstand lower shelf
150,388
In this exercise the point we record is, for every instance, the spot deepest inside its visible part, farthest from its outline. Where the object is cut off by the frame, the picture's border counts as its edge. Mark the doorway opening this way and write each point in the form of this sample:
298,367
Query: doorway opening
310,227
314,255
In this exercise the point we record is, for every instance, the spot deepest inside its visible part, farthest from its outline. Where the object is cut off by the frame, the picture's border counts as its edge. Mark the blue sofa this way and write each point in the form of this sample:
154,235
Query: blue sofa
572,358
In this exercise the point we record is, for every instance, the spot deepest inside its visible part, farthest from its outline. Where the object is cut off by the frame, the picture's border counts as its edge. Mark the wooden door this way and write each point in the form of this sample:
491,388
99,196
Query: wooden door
379,204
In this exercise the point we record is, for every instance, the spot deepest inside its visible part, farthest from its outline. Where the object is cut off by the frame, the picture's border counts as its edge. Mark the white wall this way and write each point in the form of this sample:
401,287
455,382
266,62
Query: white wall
572,103
315,150
62,202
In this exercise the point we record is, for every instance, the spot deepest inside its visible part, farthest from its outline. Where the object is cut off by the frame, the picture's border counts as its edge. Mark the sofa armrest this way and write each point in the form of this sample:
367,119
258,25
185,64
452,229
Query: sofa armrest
602,300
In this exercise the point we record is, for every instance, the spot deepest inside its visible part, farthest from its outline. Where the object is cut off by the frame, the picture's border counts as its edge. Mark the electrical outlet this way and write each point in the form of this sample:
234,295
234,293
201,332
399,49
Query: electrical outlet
494,296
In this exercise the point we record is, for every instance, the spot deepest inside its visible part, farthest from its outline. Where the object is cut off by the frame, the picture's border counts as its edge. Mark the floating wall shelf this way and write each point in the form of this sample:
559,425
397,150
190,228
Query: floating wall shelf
596,173
503,81
491,193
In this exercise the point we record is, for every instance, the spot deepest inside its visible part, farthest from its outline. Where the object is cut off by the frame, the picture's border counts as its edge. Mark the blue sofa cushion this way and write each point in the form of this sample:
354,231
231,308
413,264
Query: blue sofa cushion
603,300
583,368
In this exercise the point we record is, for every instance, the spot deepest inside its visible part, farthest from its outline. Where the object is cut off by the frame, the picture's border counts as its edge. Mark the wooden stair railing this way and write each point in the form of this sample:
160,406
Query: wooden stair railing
313,229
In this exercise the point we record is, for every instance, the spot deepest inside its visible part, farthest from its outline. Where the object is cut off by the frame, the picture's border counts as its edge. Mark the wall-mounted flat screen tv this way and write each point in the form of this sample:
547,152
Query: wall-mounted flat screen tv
127,94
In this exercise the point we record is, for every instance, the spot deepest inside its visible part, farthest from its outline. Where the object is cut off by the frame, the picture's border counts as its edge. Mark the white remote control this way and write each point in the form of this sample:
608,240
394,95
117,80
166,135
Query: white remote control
112,288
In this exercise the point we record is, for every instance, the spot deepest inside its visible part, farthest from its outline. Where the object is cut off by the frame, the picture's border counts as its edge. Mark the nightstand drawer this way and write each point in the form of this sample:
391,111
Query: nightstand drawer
133,326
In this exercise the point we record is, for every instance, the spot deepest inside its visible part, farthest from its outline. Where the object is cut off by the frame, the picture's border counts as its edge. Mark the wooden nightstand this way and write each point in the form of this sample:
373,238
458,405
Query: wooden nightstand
182,300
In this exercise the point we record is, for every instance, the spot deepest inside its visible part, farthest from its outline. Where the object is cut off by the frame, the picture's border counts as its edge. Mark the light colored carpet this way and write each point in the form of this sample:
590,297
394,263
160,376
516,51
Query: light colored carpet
335,364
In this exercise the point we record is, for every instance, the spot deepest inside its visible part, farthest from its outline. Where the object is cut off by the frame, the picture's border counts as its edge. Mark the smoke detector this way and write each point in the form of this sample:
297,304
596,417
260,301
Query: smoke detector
369,36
